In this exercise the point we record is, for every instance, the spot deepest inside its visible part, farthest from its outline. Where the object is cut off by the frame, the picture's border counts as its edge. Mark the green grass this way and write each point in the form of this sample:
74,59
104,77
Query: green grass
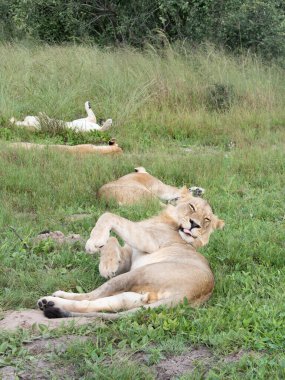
50,135
160,104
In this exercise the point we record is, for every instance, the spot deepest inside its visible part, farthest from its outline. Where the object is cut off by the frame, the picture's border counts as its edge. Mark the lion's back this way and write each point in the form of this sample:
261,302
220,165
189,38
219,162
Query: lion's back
124,194
129,189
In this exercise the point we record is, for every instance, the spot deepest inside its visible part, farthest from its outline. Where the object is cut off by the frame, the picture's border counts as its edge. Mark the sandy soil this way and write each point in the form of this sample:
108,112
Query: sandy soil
174,366
28,318
177,365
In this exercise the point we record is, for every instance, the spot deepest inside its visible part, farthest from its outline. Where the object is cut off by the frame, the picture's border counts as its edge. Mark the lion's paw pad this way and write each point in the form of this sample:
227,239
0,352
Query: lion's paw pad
43,303
197,191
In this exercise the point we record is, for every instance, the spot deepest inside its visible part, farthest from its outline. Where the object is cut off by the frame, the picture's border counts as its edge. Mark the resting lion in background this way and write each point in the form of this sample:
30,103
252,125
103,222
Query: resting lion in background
135,187
86,124
158,265
111,148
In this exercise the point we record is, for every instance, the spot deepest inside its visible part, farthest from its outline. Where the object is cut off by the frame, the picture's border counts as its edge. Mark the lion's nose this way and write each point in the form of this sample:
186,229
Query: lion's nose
194,224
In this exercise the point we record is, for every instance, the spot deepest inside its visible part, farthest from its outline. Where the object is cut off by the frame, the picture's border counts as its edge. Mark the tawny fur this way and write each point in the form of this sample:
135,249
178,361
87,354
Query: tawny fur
138,186
82,149
158,265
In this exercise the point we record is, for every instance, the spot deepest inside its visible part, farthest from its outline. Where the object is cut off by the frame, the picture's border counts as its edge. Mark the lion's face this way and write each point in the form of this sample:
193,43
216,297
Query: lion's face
196,220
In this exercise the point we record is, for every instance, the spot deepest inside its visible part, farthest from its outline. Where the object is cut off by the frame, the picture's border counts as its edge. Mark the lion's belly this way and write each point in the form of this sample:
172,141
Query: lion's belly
141,259
83,125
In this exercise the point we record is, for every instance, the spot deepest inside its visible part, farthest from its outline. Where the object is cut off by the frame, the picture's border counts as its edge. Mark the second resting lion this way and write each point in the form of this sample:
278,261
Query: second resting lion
158,264
140,185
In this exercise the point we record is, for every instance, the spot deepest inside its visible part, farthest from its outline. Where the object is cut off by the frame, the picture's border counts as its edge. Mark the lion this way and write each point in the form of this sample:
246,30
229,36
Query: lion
111,148
158,264
86,124
140,185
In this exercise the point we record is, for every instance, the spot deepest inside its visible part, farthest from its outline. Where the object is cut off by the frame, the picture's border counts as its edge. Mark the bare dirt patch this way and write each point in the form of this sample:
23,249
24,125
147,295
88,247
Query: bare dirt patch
175,366
8,373
59,237
27,318
46,370
41,366
43,346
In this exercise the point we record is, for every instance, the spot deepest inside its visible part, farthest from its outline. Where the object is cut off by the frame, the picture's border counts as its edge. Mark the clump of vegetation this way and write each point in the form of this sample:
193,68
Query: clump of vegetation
220,97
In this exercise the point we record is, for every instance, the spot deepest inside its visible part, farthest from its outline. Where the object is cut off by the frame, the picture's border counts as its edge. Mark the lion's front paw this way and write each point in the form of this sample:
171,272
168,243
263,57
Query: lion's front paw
90,247
94,244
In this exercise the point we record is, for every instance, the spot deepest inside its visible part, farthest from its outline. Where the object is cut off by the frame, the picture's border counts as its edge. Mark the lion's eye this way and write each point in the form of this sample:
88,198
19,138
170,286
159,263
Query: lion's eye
191,207
207,219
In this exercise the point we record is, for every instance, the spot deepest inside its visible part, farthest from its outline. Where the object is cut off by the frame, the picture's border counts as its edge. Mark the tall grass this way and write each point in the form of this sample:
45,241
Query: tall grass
152,93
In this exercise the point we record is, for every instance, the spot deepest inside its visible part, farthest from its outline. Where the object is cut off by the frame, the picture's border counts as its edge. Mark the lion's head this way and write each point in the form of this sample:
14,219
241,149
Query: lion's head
196,220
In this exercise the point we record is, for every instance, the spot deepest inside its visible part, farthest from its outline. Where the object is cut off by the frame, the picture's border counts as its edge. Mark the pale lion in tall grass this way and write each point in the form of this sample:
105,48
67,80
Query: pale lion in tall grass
86,124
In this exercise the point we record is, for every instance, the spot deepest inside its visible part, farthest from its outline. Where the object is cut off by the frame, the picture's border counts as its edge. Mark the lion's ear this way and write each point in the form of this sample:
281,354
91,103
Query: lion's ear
219,224
140,169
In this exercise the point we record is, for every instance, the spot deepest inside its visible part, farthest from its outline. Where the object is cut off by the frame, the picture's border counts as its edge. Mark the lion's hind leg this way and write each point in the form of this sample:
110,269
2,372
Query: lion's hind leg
90,114
121,301
54,307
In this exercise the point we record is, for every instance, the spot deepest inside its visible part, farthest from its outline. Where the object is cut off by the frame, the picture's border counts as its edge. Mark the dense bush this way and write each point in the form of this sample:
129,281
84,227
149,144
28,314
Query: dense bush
258,25
220,97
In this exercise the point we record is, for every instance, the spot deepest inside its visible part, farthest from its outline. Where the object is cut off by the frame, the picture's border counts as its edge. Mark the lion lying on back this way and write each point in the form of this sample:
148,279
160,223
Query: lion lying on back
158,265
135,187
85,124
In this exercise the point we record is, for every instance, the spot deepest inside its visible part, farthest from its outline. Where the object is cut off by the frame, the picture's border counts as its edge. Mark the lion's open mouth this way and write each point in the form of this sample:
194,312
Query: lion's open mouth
187,232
